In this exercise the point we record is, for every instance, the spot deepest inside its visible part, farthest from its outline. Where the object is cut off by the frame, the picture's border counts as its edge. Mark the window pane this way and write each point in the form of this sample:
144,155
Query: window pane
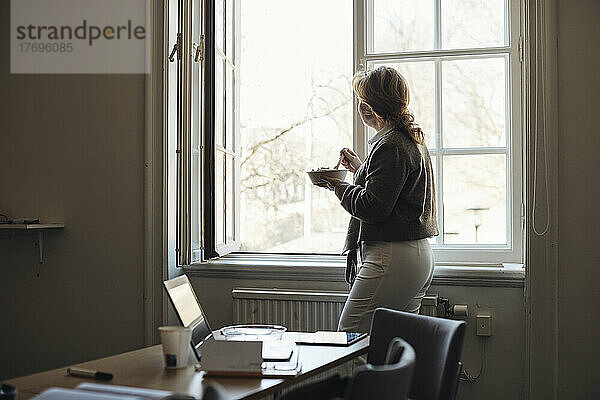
196,177
229,102
229,196
474,102
173,225
401,25
196,199
219,18
219,199
421,83
475,199
472,23
433,240
229,17
219,99
296,114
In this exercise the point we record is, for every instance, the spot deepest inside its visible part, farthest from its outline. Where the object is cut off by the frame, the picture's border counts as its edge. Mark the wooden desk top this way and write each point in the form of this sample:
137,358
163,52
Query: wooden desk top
145,368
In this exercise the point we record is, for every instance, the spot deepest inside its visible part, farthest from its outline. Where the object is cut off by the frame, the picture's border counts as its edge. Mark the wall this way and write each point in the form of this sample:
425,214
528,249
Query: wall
579,218
72,150
504,374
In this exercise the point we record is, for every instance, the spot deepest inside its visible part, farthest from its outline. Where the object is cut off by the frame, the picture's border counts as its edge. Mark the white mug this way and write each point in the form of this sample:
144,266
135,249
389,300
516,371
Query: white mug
176,345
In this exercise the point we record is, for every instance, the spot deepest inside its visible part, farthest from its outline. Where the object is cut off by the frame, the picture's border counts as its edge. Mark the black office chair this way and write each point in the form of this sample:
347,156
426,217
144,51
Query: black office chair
389,381
437,343
213,391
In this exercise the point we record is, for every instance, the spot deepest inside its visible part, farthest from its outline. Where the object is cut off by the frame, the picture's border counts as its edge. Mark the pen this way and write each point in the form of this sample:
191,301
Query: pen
87,373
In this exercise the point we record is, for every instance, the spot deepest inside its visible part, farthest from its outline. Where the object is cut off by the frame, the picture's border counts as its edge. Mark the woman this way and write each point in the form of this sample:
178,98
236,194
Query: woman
392,203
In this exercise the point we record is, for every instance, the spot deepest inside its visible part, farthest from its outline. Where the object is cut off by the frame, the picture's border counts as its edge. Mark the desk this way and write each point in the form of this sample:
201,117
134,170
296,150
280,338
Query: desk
144,368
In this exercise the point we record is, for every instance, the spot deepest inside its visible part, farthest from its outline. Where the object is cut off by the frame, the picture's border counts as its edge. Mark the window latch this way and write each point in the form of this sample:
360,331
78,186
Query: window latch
199,47
176,48
521,49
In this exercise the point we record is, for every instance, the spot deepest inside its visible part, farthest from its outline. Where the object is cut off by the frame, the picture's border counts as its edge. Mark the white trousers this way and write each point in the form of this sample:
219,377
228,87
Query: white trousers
392,274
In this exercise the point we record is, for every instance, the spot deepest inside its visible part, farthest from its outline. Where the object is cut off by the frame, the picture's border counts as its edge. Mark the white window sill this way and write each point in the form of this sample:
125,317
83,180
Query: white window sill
332,269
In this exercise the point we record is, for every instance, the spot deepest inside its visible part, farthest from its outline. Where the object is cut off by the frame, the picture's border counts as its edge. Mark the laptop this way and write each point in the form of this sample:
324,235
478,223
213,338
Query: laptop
188,310
190,314
326,338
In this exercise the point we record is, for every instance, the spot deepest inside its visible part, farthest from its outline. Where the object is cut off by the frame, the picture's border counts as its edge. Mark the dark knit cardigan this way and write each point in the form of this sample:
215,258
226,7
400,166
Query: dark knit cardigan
393,195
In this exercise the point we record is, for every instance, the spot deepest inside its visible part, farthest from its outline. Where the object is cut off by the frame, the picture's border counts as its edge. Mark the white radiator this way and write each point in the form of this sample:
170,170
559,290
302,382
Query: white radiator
298,310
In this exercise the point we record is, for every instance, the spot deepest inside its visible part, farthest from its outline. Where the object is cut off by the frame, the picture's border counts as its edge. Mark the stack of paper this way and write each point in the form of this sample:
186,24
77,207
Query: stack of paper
92,391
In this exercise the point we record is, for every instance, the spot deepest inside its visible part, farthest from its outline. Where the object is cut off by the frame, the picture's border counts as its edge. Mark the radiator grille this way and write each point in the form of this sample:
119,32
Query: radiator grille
300,311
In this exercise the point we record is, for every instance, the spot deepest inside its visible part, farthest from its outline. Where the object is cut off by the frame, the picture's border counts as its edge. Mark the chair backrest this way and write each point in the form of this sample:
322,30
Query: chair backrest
214,391
390,381
437,343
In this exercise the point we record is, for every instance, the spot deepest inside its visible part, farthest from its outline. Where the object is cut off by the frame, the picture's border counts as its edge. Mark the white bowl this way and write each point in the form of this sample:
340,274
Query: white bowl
316,176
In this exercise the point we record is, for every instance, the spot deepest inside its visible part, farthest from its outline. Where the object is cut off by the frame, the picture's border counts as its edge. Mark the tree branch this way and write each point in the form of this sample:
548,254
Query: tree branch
258,145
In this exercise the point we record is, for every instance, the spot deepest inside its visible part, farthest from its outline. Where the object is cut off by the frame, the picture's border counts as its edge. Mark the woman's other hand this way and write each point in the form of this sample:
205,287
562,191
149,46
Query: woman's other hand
350,160
329,183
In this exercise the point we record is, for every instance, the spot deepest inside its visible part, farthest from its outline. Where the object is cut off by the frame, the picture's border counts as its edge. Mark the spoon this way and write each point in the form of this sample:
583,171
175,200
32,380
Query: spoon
339,162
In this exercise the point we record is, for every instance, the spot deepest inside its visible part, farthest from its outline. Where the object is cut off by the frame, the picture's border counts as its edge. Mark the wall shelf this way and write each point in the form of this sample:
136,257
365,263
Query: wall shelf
39,228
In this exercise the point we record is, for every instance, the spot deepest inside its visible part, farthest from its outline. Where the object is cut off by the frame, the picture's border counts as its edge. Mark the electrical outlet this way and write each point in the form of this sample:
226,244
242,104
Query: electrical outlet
484,325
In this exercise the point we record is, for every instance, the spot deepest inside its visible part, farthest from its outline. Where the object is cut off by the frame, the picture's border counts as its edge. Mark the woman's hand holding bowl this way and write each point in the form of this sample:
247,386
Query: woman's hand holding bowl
330,183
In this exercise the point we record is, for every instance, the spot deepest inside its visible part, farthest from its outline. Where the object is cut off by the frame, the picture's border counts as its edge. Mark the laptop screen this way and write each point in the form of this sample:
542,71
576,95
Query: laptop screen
188,308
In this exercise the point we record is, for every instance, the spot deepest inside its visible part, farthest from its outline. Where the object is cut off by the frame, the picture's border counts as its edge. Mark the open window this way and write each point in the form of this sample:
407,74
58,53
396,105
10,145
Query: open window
222,133
270,98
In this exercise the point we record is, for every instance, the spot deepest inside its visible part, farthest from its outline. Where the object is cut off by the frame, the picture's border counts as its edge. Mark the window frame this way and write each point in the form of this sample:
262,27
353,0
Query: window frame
212,248
196,237
512,251
484,255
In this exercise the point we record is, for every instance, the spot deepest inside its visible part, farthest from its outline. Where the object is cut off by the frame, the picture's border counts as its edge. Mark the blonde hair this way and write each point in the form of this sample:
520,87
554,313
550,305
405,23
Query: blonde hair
385,91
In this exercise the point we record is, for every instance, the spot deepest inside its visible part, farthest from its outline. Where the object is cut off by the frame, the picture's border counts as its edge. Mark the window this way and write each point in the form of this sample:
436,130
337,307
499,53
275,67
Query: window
224,143
273,99
207,94
461,59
